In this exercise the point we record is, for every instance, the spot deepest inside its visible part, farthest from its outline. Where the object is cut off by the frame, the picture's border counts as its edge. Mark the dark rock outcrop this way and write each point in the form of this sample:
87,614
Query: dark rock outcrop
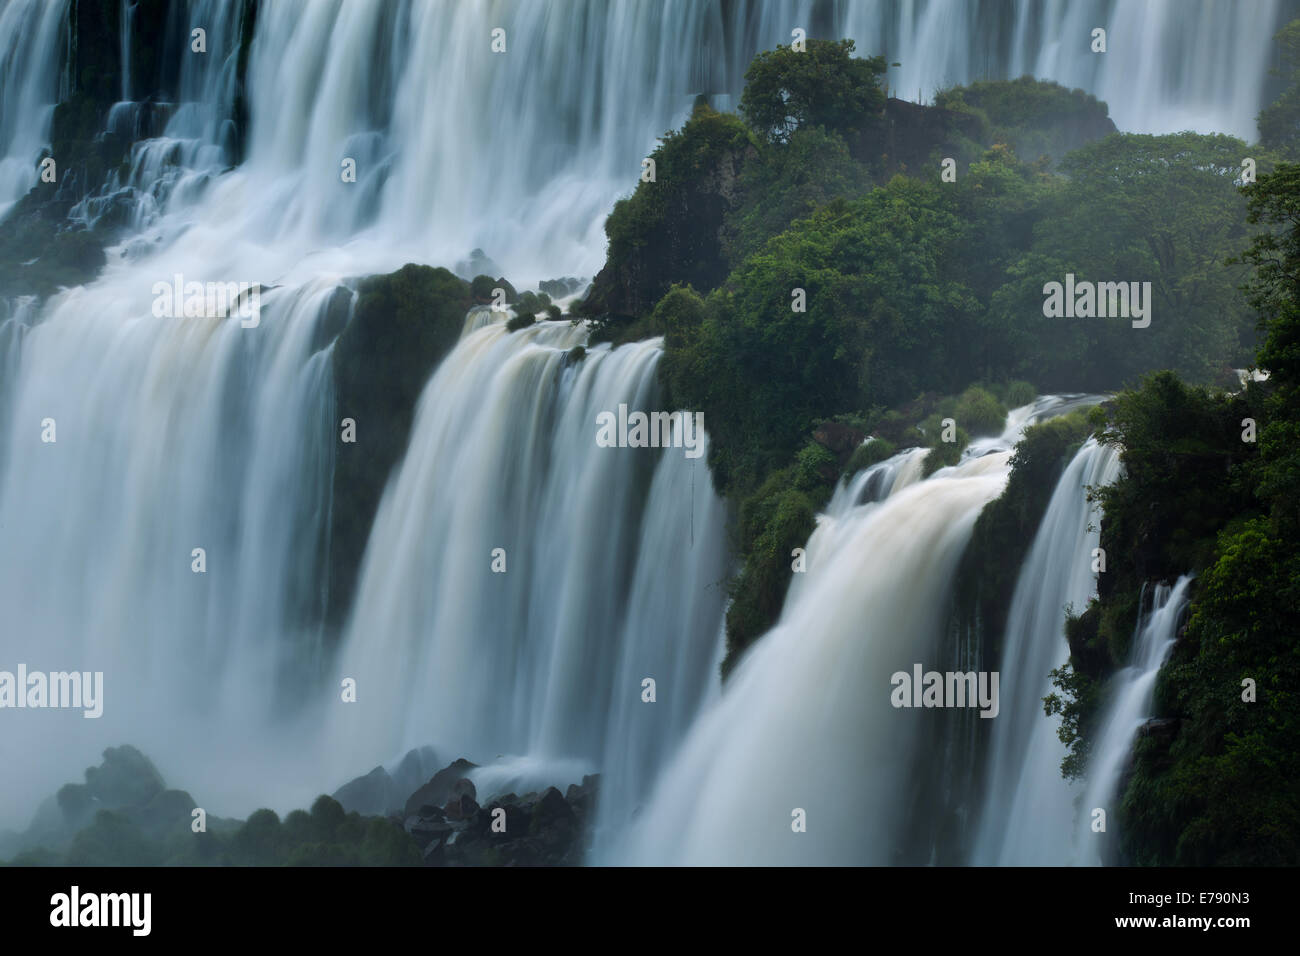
840,440
561,288
380,793
440,788
401,327
533,830
913,136
371,795
670,230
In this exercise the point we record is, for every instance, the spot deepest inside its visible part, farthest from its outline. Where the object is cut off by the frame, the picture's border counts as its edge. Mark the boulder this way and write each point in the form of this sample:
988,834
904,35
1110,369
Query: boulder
375,794
438,791
839,439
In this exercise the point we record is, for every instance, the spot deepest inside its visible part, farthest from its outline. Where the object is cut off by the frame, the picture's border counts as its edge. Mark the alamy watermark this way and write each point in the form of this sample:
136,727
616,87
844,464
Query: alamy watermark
208,300
130,910
948,689
57,689
651,430
1101,300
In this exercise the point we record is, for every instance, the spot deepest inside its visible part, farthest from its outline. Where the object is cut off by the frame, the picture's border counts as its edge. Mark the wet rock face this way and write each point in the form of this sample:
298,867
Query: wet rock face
909,136
371,795
380,793
546,829
401,326
441,787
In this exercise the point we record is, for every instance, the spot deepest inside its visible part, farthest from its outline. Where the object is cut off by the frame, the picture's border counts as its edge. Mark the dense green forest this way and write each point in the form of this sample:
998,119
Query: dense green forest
831,264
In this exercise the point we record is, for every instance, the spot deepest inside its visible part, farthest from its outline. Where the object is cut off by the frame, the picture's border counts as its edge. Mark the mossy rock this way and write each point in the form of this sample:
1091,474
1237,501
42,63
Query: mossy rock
402,326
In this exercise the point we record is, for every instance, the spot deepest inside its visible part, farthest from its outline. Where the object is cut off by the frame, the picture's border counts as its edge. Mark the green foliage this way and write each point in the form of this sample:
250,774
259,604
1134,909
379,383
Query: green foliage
1018,394
880,324
1223,790
1197,497
774,520
324,837
1033,117
1164,209
521,321
1076,704
666,231
112,840
871,453
1279,122
481,288
979,412
944,454
1274,202
789,182
824,85
975,412
1184,477
532,302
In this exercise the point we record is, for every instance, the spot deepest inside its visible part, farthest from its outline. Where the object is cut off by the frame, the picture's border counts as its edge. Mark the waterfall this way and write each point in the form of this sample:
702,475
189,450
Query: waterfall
522,153
1027,805
31,35
805,722
1188,79
1129,705
609,572
181,434
169,435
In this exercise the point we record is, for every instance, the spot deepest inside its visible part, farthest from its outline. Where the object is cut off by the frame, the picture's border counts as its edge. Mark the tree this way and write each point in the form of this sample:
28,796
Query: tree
855,306
1279,122
1274,200
1138,208
824,85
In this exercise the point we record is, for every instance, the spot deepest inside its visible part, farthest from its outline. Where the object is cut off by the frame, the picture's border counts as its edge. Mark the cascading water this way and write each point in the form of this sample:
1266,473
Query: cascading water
523,152
806,720
31,37
873,602
1027,805
609,572
1189,79
176,434
1129,705
168,436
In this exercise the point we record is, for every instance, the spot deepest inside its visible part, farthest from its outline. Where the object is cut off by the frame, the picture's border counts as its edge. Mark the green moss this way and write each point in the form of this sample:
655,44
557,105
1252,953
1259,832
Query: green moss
945,454
979,412
668,230
401,327
778,518
870,453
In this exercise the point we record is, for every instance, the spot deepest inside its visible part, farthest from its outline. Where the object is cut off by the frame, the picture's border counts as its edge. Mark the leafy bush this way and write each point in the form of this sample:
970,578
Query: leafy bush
824,85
